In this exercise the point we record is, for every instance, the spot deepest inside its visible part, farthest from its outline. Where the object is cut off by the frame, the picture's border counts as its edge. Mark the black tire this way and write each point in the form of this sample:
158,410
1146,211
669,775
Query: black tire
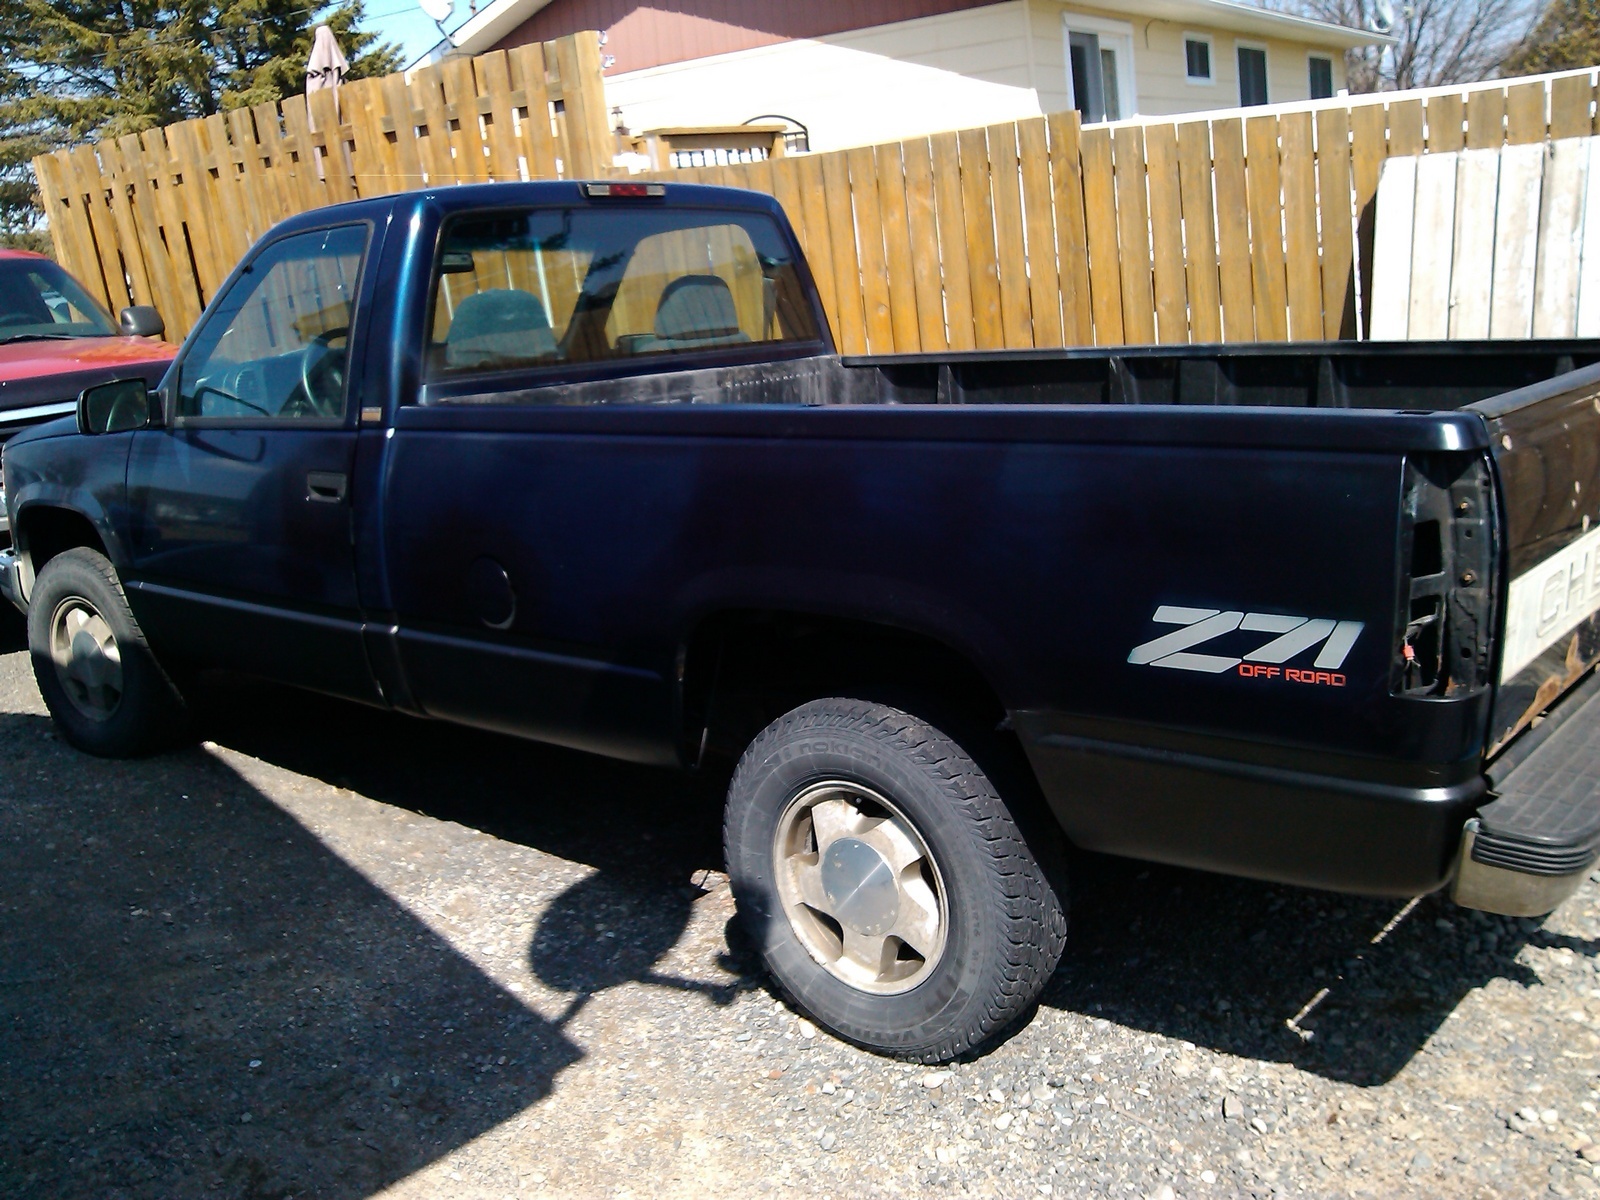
143,713
1004,923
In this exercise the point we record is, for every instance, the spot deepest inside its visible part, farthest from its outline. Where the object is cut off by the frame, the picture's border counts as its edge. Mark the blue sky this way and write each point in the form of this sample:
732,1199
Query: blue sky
407,25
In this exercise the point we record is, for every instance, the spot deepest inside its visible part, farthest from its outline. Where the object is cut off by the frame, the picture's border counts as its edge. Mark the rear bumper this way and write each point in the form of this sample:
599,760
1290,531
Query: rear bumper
1307,828
1533,845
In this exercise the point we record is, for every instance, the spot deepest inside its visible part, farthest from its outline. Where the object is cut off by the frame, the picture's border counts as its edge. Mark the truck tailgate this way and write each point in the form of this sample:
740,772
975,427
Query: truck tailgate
1545,440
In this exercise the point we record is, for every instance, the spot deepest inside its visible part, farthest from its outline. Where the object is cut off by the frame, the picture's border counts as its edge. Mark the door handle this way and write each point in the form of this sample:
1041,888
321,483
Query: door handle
326,487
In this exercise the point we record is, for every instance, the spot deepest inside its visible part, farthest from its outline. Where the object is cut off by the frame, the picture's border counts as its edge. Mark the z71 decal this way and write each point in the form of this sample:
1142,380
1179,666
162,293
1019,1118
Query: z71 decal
1291,637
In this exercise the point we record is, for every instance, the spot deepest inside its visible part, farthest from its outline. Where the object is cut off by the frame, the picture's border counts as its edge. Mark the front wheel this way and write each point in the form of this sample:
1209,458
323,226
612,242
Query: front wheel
99,680
890,890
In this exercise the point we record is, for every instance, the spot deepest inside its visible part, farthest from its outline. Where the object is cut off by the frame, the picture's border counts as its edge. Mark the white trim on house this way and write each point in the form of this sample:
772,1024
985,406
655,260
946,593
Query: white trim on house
1117,36
498,18
1210,41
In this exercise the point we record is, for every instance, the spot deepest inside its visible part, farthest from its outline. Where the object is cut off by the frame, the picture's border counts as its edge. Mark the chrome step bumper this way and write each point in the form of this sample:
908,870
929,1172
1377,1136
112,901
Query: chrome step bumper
1531,847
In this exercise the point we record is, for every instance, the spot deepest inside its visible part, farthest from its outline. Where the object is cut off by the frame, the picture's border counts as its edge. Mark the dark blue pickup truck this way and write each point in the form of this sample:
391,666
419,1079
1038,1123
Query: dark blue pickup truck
578,462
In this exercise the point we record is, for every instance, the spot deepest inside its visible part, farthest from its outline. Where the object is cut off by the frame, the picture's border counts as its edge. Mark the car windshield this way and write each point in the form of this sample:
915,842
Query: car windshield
40,300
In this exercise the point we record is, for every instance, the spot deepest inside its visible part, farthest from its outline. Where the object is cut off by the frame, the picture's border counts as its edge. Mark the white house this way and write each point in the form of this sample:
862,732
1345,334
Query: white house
852,74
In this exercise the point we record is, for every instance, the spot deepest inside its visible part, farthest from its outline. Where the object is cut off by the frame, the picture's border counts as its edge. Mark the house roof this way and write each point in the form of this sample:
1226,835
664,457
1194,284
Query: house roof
499,18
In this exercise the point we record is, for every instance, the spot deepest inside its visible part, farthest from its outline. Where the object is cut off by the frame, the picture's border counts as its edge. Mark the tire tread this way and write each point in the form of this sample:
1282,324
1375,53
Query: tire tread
1033,918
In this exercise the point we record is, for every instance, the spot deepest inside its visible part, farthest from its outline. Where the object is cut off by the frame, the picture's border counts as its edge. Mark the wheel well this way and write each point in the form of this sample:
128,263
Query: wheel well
742,670
43,533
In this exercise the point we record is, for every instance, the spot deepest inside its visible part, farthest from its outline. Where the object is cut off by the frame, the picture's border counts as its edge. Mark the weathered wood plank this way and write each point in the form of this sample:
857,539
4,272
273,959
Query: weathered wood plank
1233,231
1072,242
1571,99
1336,219
158,263
1133,233
1486,119
493,81
83,169
1266,229
977,201
1199,231
1391,272
1555,284
879,322
889,165
1589,264
128,247
1005,185
922,221
846,266
1472,262
1516,240
956,269
1166,234
1525,119
1302,261
1044,290
1446,123
536,129
1432,246
1405,127
1367,153
818,236
1100,222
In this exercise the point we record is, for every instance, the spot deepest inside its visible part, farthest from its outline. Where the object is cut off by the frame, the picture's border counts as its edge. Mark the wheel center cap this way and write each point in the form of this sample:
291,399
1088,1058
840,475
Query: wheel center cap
89,658
861,886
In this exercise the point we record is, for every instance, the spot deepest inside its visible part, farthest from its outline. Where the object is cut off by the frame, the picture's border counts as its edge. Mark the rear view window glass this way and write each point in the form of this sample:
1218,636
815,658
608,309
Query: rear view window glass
559,286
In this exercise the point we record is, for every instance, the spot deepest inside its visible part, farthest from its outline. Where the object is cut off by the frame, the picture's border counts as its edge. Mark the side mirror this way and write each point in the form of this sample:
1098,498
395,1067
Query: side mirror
114,407
140,320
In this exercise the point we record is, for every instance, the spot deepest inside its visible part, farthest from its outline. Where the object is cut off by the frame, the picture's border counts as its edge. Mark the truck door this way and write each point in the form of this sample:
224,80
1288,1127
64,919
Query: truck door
240,507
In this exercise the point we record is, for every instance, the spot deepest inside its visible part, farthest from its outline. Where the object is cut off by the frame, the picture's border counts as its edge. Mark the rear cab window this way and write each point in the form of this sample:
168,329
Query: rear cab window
572,292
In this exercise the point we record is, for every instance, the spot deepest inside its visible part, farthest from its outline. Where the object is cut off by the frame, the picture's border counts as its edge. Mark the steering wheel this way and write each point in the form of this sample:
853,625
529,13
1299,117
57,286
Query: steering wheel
322,373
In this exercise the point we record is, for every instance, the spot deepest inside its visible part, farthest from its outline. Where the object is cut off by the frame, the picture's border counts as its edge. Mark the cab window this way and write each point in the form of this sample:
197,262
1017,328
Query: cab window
561,286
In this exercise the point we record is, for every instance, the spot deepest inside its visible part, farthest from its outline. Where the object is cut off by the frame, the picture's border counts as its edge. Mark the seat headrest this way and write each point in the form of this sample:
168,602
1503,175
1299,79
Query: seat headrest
696,306
499,323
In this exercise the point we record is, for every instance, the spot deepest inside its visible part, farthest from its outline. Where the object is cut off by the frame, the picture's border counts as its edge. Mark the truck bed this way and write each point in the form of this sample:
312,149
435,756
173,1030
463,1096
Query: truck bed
1410,377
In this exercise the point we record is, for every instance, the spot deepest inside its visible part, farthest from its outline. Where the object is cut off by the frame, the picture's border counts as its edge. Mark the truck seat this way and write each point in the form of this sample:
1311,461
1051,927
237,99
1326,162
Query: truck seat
696,310
500,325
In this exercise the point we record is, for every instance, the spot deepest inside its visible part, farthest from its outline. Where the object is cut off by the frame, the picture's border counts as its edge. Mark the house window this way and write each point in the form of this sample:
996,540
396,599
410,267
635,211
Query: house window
1321,77
1100,68
1197,58
1252,75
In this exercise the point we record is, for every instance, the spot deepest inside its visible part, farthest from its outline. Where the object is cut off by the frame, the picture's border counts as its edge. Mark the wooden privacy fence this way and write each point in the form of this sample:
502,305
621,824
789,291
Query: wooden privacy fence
1248,225
1252,225
161,217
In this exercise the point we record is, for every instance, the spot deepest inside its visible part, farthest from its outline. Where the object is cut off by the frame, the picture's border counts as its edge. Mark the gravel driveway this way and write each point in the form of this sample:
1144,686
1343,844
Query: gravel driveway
337,953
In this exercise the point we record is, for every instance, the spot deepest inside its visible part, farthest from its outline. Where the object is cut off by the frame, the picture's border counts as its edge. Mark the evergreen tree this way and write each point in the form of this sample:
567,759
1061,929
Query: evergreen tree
76,70
1566,36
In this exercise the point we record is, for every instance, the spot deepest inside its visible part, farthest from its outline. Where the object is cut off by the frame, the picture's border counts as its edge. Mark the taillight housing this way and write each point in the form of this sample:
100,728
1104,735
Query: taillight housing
1446,560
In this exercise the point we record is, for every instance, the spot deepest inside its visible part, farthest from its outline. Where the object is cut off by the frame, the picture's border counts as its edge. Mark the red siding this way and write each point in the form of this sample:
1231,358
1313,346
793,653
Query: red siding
666,31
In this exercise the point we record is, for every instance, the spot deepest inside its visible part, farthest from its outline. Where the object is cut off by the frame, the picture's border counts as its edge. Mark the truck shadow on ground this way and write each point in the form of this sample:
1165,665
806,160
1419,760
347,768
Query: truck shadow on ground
197,997
651,835
1346,987
1230,964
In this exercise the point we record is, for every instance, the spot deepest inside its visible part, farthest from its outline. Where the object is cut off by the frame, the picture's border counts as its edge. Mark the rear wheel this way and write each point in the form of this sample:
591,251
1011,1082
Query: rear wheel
889,889
99,680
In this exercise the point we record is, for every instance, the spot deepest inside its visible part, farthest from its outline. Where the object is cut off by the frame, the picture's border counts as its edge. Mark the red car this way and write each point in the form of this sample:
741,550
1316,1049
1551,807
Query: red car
55,341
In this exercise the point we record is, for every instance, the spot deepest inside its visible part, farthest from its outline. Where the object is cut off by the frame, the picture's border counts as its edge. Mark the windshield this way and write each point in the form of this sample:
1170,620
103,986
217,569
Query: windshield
40,300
